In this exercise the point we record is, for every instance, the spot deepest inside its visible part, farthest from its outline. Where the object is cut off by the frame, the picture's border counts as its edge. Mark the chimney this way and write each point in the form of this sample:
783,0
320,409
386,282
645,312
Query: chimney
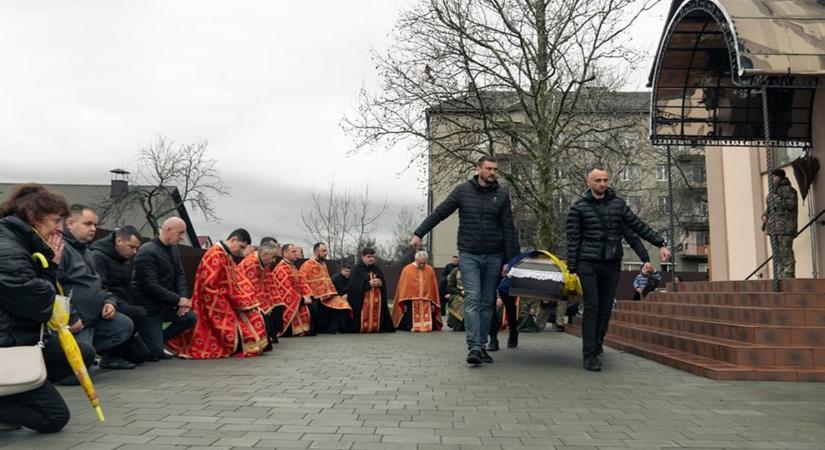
120,183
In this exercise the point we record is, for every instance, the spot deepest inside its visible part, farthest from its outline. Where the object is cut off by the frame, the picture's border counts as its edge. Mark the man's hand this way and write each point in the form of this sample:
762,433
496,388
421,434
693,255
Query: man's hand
764,219
185,303
76,327
415,242
183,310
108,312
375,282
307,300
664,253
504,269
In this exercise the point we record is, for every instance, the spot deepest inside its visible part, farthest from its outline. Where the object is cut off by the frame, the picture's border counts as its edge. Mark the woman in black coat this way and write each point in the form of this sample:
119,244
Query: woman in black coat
30,222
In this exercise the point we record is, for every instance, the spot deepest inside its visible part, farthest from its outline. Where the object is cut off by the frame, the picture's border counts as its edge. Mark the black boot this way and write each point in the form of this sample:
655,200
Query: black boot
492,346
592,364
512,340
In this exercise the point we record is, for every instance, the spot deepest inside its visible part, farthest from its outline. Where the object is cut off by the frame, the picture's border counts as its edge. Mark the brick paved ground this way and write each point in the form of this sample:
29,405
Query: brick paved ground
414,392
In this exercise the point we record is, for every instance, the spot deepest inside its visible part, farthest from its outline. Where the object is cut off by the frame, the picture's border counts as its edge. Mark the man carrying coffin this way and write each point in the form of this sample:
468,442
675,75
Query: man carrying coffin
229,320
332,308
417,306
254,275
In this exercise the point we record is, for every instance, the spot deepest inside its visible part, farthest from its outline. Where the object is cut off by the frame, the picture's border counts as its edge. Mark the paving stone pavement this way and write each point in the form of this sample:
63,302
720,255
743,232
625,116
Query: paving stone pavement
403,391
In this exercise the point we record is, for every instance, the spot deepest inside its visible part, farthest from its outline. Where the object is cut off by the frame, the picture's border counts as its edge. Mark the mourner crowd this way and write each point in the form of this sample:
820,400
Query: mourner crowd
131,304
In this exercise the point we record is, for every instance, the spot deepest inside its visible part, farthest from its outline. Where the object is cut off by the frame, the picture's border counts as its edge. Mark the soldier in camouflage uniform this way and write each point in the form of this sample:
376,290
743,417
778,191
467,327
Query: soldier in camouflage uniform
785,214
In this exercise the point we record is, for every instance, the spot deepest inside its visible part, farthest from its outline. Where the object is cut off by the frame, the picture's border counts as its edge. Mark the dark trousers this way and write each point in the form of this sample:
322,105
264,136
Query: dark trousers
156,335
134,349
512,316
43,409
599,282
330,320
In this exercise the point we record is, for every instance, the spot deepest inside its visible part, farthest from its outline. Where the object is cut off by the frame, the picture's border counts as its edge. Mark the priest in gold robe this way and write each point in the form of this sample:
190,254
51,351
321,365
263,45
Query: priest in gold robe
417,306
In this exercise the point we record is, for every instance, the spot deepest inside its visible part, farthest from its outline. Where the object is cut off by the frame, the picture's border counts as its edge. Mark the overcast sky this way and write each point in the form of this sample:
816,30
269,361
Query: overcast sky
86,83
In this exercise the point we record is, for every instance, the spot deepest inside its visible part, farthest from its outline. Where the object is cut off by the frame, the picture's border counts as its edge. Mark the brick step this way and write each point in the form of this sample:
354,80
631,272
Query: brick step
720,349
755,334
811,317
707,367
798,285
754,299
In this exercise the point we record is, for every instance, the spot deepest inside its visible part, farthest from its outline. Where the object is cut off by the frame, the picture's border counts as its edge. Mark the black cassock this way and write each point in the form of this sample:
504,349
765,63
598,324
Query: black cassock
359,283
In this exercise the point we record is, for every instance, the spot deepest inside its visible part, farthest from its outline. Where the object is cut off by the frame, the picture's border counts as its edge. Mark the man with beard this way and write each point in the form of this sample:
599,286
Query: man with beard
229,320
367,294
291,289
253,275
486,240
595,224
95,319
416,305
332,308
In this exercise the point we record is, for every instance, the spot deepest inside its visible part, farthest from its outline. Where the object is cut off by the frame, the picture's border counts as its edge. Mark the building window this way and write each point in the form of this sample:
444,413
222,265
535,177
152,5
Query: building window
697,173
663,204
632,172
661,172
635,203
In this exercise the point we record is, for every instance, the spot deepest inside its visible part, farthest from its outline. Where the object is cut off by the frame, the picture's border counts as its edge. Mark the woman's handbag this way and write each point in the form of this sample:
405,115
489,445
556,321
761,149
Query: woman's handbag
22,368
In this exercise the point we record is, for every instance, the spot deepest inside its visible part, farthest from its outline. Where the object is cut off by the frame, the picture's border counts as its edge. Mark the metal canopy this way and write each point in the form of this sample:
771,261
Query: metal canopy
714,60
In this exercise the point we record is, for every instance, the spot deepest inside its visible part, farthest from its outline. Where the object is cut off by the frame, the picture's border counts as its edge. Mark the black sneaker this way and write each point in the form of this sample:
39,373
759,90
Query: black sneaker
512,340
592,364
492,346
485,357
114,363
474,357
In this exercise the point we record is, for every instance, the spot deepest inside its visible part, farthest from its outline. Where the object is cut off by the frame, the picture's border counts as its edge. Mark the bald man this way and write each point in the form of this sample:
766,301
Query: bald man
595,224
159,284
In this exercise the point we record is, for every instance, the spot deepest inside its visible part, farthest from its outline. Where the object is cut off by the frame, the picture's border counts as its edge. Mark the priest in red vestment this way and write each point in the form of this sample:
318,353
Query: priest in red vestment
229,320
294,292
254,275
417,306
333,309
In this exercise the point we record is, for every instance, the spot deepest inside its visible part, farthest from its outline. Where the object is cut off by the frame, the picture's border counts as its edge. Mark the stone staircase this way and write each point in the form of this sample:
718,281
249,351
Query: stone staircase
728,330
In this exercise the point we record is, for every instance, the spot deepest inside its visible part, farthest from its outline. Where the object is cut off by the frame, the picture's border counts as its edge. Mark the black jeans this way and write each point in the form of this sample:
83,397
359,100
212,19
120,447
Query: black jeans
156,335
599,280
43,409
133,350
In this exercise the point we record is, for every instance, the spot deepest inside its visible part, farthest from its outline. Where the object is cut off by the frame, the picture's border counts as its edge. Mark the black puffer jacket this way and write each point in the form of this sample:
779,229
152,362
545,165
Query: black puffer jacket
27,290
115,271
485,219
158,280
595,229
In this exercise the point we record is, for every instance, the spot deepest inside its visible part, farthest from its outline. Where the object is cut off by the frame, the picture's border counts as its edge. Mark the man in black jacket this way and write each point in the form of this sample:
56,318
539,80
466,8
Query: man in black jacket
159,285
95,316
113,255
486,238
595,225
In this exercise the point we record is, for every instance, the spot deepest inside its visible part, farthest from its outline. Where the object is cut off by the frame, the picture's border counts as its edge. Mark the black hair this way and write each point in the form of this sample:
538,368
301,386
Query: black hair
241,235
126,233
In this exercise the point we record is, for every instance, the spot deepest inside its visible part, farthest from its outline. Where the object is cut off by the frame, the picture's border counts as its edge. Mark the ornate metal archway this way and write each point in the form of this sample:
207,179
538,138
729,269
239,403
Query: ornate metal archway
738,73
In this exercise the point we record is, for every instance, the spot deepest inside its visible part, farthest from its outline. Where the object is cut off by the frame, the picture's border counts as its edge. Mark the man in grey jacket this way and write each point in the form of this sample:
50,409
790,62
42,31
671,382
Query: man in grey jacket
486,238
95,319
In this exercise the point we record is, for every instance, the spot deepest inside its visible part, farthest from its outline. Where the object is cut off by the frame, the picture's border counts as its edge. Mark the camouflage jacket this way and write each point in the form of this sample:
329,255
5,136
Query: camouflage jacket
785,202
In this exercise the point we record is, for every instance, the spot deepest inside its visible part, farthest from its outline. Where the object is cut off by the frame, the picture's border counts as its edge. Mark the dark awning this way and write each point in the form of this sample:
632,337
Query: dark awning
713,60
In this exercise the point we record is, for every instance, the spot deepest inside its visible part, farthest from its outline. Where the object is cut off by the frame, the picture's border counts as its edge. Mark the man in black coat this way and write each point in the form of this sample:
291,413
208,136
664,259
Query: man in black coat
159,285
486,239
113,255
341,279
367,294
595,224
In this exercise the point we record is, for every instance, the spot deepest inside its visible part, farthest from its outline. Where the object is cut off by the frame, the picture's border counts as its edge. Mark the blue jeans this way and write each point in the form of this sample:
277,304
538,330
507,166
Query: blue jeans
156,335
480,275
107,334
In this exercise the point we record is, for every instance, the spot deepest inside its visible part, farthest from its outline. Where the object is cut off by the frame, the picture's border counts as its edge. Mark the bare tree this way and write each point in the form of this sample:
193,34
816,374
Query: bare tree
523,79
399,250
343,218
169,176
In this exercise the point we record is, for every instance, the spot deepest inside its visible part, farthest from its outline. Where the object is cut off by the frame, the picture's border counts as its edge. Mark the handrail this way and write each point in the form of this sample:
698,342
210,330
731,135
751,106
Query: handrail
795,236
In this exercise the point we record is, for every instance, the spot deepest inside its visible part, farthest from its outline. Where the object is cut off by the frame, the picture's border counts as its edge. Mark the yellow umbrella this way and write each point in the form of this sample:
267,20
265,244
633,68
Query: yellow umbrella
59,322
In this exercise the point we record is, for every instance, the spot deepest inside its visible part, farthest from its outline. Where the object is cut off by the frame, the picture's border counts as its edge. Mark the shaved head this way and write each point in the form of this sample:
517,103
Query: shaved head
597,182
172,231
